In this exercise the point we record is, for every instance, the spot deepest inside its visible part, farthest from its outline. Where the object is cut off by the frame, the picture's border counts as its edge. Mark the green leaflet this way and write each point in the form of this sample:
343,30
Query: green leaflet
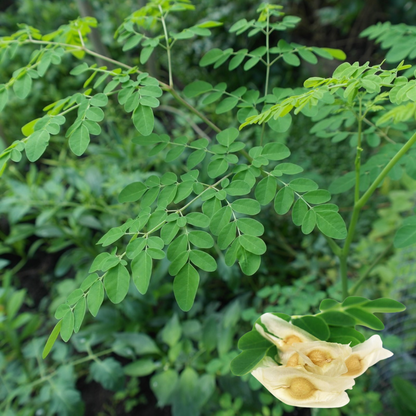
174,153
357,310
36,145
246,206
226,105
94,114
177,246
198,219
308,56
166,196
203,260
178,262
319,196
163,384
74,296
299,211
248,261
284,200
266,190
145,54
99,100
201,239
135,247
140,368
252,244
79,313
79,140
67,327
211,57
168,232
237,60
107,372
95,297
227,235
22,86
143,119
309,222
116,283
141,269
342,184
220,219
238,188
195,158
51,339
197,88
314,325
331,224
111,236
217,168
407,394
406,234
291,59
275,151
362,317
303,185
4,97
132,192
185,286
249,226
255,348
227,136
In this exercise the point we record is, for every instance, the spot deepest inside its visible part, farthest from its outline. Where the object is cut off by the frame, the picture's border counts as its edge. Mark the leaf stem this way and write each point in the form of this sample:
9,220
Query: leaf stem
381,132
358,155
266,86
361,279
162,18
190,107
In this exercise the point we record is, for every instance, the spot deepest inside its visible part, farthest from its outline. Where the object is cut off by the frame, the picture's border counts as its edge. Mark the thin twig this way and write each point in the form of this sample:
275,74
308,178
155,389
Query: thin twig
379,130
180,113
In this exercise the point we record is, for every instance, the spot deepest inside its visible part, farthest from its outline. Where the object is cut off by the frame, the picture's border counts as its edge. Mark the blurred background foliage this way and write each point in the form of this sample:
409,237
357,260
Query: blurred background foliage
145,356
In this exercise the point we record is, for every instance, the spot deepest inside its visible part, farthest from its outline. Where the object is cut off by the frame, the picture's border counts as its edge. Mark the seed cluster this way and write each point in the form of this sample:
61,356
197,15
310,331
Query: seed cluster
309,372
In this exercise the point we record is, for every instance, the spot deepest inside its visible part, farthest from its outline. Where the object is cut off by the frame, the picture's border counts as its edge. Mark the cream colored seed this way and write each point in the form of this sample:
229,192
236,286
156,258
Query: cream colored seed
293,360
291,339
354,365
300,388
319,357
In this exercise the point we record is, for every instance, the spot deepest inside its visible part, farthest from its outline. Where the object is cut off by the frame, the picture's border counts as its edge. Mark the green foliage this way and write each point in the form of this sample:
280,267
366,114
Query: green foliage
177,202
406,399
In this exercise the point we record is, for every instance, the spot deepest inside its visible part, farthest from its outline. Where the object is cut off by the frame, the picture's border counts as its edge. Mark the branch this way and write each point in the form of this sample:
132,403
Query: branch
379,130
358,283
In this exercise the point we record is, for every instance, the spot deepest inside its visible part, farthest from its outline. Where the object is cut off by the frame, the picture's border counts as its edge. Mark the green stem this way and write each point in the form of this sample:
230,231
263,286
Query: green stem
360,204
361,279
358,156
363,200
167,46
381,132
191,108
344,277
336,249
266,86
343,256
